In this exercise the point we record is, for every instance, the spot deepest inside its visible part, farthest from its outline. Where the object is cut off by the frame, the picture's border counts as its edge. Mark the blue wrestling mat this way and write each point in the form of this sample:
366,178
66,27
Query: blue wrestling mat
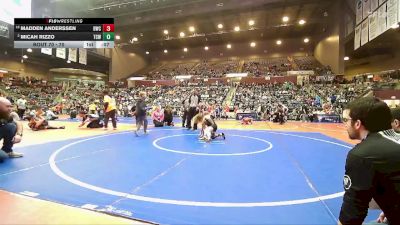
170,177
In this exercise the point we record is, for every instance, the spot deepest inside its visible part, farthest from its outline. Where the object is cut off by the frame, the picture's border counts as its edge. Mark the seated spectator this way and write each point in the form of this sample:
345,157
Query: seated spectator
50,115
10,130
168,116
29,115
158,117
73,114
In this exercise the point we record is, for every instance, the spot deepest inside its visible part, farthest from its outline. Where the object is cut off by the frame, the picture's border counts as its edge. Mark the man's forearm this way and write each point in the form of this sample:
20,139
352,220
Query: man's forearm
20,127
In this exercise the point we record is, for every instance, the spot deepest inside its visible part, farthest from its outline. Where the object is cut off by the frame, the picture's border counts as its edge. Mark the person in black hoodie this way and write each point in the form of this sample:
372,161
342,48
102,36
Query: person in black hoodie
168,116
373,165
141,113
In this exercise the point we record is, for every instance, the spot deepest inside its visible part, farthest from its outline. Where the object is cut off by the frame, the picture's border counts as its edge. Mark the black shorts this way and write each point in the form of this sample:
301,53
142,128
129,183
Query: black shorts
140,119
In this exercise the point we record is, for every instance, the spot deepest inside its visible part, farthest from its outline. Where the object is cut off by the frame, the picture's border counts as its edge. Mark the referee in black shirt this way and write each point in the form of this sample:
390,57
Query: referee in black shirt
373,165
194,101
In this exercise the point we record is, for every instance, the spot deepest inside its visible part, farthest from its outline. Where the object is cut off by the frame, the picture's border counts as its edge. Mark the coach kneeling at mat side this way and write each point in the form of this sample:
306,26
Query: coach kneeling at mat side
158,117
373,165
168,116
10,130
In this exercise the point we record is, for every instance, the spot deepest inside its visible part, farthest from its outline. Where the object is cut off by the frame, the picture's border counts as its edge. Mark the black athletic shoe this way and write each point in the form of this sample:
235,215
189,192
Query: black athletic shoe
223,135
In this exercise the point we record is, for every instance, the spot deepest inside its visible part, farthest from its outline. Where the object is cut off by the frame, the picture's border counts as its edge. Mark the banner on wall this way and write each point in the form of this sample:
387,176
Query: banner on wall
392,12
357,37
4,30
366,8
364,32
47,51
373,26
82,56
382,24
358,11
60,53
398,11
374,5
72,52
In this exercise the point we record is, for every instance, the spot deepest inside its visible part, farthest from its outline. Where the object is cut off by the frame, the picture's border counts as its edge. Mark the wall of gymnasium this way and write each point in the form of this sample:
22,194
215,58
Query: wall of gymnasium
124,64
330,49
25,69
326,52
263,49
377,63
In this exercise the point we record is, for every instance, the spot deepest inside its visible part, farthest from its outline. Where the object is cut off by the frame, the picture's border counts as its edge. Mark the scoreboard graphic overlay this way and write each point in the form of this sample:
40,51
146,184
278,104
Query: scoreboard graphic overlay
64,33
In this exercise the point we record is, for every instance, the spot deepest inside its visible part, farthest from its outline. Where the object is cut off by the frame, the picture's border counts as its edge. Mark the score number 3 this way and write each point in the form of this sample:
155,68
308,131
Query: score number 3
108,27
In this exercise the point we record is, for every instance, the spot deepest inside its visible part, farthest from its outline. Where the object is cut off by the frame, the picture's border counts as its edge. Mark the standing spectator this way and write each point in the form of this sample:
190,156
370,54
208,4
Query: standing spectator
110,110
304,113
141,113
21,106
372,166
10,130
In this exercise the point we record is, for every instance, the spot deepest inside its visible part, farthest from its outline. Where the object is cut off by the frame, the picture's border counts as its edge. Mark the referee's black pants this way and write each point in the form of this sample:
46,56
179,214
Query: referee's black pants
191,114
21,113
112,115
184,117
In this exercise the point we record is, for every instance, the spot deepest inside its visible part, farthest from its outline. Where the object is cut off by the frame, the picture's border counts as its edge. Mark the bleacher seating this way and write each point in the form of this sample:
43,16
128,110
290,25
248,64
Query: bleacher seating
267,67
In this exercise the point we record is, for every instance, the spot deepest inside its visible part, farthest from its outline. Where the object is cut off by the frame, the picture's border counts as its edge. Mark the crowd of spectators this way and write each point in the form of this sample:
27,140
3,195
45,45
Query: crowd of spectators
308,99
314,96
310,63
267,67
204,69
255,67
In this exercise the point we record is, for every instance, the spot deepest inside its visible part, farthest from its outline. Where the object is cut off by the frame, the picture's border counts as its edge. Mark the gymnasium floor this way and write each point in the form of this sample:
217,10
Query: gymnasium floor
261,174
